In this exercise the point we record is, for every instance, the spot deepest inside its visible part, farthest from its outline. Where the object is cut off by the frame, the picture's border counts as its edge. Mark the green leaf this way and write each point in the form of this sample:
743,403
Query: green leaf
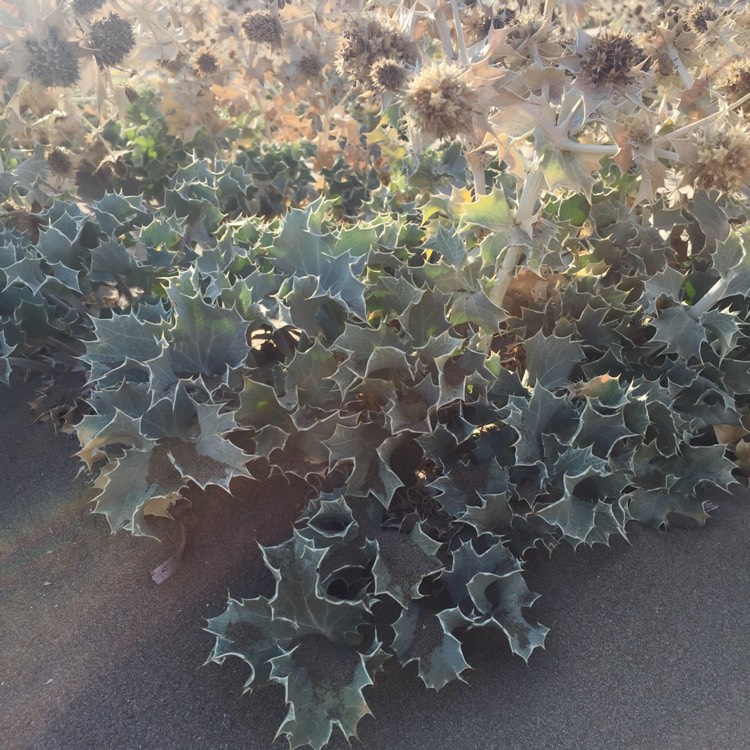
666,284
369,448
532,418
654,507
210,458
679,331
577,519
248,630
299,599
551,359
426,636
119,338
402,562
323,684
500,600
206,339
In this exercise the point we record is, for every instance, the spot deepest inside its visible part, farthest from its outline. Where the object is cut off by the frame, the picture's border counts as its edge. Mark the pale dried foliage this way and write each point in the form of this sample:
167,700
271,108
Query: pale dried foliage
487,74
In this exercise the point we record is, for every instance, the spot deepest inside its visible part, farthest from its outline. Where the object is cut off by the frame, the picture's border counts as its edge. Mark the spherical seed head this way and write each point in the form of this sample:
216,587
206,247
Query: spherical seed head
366,40
723,158
120,168
207,63
476,23
310,65
438,102
52,61
86,7
262,26
735,80
59,162
610,58
699,14
112,39
388,75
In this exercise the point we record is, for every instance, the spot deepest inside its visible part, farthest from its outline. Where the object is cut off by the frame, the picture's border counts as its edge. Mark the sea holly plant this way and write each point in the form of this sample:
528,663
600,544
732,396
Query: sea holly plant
476,279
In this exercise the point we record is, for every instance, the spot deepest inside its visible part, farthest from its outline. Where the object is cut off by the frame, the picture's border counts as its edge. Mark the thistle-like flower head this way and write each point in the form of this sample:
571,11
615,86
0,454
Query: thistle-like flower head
262,26
610,59
439,102
112,39
60,162
86,7
699,14
388,75
366,40
734,81
206,63
52,61
722,160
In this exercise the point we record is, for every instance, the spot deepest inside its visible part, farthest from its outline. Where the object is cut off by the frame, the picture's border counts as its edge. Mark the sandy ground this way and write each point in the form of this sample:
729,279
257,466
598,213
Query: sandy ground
649,649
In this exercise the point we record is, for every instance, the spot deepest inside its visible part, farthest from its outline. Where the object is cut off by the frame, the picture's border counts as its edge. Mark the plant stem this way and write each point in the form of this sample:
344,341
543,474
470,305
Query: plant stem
532,188
30,364
463,54
477,172
445,33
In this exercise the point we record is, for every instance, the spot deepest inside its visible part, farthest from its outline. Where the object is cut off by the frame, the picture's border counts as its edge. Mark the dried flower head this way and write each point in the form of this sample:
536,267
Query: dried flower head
735,80
366,40
207,63
476,22
112,39
699,14
439,102
131,94
610,58
86,7
262,26
722,159
388,75
59,162
52,61
310,65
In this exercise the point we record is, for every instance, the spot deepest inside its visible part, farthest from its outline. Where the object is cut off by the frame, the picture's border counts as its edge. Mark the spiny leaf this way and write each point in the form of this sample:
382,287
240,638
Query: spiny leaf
551,359
402,562
324,684
206,339
248,630
679,331
500,600
426,636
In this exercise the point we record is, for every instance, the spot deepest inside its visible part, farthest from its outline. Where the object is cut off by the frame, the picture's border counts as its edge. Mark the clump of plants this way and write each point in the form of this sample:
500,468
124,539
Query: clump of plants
478,280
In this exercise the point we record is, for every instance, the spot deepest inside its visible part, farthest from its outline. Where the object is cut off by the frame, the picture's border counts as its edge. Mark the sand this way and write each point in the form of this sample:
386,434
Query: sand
649,649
